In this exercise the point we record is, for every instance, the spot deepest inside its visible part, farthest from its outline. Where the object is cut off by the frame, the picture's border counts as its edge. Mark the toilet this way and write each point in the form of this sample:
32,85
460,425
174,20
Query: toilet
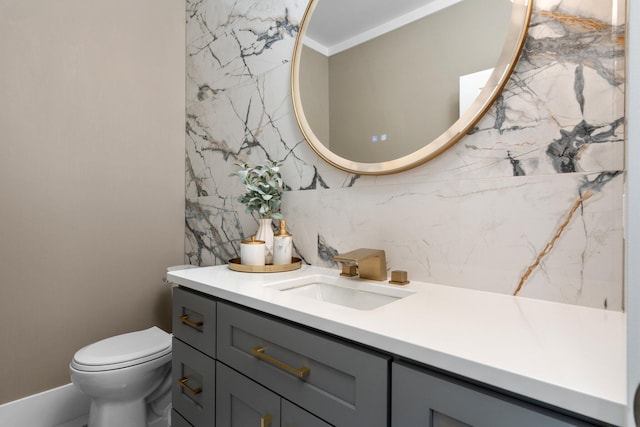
127,378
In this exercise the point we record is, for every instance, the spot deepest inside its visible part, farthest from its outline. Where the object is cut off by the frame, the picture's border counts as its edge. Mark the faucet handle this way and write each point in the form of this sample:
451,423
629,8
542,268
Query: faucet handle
399,277
349,270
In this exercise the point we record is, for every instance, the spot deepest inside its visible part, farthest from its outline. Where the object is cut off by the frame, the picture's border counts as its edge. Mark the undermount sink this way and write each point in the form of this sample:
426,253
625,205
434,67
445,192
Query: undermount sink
353,293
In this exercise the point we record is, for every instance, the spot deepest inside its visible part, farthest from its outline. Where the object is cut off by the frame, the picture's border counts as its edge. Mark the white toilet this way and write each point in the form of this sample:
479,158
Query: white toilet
127,378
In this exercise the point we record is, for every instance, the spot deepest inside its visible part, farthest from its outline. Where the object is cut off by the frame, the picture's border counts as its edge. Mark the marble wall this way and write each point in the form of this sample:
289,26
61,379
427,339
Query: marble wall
529,204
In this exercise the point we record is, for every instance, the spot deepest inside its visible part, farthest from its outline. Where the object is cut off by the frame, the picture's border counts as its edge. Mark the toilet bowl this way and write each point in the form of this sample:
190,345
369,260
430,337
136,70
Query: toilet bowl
126,377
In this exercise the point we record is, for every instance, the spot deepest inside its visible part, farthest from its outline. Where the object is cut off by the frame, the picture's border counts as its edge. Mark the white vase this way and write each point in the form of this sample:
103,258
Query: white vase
265,233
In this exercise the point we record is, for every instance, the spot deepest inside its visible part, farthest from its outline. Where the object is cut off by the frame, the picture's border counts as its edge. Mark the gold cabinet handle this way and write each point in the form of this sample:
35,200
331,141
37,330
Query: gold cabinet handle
183,383
186,321
301,373
265,421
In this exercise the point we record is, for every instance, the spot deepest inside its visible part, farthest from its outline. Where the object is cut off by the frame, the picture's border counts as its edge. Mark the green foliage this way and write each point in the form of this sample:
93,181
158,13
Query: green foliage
263,188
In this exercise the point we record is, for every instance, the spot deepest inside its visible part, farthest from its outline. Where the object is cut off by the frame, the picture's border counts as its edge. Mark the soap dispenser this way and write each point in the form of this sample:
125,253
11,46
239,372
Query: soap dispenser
282,244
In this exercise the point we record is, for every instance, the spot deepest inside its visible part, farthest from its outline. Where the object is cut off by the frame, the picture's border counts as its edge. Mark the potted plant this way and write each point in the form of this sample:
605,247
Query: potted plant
263,195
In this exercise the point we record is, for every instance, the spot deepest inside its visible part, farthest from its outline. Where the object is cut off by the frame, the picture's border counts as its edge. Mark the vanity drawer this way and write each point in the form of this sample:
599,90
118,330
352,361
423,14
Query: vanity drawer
342,384
193,384
194,320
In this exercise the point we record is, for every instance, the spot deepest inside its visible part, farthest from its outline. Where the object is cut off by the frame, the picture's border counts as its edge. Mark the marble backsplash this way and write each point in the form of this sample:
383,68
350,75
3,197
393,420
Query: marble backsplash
529,204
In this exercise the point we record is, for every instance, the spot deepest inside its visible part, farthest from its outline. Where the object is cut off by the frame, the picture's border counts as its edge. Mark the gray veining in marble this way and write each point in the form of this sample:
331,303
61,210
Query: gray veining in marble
528,203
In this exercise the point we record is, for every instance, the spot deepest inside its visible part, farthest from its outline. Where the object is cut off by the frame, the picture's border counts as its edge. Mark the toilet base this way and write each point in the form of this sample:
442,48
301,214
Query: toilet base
121,414
163,420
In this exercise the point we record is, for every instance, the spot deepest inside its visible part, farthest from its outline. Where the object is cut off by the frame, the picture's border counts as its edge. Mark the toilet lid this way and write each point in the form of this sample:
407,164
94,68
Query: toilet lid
123,350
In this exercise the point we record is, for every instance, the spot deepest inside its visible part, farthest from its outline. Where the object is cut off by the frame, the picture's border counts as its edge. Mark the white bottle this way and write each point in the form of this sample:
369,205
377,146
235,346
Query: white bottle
282,244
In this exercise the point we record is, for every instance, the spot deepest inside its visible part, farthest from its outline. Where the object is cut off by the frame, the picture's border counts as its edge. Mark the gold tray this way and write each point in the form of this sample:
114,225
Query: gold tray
234,264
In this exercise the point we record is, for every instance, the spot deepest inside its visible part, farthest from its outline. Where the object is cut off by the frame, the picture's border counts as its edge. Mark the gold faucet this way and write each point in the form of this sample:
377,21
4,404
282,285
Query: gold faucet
371,263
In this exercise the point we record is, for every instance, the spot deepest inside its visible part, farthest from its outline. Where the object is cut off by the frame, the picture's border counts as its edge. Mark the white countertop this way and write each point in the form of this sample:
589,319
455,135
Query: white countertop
568,356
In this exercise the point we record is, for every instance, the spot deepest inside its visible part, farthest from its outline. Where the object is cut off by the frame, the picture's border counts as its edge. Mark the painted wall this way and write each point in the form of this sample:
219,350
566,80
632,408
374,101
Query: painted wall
91,177
530,204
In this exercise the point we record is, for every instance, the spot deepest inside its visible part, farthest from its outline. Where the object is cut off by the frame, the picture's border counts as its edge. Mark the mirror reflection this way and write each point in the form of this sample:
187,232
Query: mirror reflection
375,81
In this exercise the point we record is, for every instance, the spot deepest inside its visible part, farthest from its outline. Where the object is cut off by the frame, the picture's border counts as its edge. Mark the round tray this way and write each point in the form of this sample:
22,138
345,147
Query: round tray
234,264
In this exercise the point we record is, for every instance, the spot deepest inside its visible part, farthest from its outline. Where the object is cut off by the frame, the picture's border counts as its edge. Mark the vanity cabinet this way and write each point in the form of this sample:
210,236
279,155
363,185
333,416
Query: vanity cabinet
421,397
234,366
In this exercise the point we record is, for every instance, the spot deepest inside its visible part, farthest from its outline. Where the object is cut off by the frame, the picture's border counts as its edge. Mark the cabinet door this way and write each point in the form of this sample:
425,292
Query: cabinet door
293,416
424,398
193,387
243,403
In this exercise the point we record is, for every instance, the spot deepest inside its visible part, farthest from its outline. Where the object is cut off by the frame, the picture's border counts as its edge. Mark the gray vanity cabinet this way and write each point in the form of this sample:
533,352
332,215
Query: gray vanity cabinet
342,384
236,367
421,397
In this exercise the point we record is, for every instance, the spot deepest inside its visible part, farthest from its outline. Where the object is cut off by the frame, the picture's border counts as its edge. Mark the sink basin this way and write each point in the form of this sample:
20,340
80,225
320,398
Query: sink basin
353,293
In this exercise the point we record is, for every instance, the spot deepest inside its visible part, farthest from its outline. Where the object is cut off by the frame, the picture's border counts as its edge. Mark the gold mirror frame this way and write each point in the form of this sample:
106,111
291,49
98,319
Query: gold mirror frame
504,67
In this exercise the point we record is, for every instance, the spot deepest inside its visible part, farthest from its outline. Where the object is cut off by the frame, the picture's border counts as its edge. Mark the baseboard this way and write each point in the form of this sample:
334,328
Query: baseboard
46,409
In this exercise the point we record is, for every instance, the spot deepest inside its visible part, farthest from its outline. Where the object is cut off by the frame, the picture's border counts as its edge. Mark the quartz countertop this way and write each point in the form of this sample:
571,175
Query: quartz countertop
568,356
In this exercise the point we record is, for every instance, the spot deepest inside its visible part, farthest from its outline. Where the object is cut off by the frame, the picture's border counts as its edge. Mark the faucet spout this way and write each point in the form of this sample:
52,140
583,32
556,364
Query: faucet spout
371,263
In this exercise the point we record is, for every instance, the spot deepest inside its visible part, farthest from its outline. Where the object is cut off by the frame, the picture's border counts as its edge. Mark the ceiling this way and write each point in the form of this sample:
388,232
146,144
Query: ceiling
340,24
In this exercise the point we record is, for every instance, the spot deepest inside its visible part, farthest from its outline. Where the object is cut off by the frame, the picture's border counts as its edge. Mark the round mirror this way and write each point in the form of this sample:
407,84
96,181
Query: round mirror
383,86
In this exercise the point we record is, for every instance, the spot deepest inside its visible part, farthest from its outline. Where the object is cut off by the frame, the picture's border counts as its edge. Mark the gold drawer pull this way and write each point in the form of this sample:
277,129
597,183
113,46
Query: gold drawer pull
265,421
186,321
183,382
301,373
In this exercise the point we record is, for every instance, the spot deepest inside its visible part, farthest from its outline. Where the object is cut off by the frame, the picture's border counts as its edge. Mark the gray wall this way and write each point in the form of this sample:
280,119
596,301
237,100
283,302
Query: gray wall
91,177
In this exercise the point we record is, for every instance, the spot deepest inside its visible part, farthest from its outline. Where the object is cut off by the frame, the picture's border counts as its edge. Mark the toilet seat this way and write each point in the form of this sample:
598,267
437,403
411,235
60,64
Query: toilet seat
123,351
